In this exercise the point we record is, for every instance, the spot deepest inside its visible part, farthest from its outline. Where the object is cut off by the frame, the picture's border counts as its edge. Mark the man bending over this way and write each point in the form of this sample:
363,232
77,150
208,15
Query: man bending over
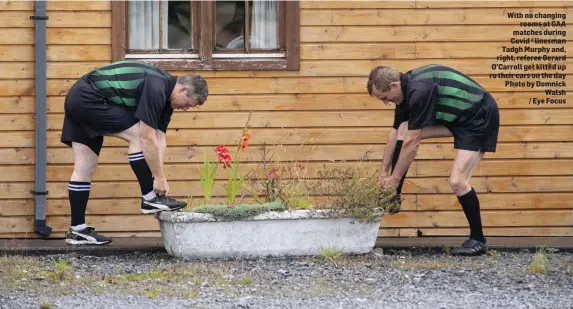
437,97
133,101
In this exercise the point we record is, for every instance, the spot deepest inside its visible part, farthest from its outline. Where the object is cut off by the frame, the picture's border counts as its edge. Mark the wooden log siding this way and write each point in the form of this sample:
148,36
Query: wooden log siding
525,187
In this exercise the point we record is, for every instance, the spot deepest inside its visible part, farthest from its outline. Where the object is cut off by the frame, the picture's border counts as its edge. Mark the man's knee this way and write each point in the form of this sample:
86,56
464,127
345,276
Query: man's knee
459,184
85,161
85,167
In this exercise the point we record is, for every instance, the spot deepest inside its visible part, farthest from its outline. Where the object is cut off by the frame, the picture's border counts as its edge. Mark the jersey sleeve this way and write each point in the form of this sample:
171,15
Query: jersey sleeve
152,101
165,119
400,115
421,106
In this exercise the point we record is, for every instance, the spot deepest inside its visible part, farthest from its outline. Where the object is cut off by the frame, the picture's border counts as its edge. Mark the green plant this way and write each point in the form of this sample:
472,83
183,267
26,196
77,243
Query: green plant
62,270
246,281
540,263
45,305
352,192
331,254
208,178
194,293
296,197
153,293
234,183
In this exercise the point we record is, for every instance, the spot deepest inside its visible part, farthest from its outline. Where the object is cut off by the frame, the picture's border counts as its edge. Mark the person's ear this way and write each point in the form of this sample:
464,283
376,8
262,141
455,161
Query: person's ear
395,85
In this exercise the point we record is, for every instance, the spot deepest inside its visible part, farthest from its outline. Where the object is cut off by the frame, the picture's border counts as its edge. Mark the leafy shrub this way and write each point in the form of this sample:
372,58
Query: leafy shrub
352,192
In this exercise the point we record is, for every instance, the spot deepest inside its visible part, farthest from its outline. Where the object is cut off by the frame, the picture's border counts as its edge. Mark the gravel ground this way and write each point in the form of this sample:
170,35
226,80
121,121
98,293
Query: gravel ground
402,279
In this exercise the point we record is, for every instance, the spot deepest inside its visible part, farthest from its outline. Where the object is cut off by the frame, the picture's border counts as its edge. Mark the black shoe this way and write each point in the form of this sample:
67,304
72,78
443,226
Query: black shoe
471,247
87,236
160,203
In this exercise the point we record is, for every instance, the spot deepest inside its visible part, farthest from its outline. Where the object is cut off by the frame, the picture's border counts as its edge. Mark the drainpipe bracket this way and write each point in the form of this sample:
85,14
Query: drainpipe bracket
39,17
39,192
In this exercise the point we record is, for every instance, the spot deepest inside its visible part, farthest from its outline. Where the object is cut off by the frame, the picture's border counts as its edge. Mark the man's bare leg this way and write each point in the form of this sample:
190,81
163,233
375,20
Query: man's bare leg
464,165
85,163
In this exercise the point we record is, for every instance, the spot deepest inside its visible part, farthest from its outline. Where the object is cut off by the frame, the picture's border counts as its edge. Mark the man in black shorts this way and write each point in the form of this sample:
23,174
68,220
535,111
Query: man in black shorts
445,102
133,101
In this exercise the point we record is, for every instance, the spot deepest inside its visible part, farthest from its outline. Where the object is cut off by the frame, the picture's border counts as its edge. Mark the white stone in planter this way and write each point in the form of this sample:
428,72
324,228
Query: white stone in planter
284,233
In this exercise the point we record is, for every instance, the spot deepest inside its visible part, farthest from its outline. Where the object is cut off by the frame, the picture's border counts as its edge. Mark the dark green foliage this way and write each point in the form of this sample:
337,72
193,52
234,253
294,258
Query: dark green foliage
238,212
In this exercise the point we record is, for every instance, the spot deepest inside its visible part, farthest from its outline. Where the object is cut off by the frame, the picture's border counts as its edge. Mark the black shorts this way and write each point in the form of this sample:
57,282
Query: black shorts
89,117
478,133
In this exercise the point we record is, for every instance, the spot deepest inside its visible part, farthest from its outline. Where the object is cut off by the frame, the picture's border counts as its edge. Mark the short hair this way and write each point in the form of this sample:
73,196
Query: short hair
197,87
381,77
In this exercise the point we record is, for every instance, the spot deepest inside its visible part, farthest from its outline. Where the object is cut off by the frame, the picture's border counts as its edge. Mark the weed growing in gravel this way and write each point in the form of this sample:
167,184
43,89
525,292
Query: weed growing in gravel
62,271
447,250
153,293
246,281
170,292
16,268
540,264
194,293
45,305
332,255
144,276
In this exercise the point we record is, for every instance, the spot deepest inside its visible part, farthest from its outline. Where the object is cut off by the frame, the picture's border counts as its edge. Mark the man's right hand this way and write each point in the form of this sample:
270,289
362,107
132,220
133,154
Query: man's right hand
160,186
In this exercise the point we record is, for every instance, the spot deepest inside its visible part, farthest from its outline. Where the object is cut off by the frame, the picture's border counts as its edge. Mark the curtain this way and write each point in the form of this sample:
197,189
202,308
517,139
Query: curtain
144,24
264,24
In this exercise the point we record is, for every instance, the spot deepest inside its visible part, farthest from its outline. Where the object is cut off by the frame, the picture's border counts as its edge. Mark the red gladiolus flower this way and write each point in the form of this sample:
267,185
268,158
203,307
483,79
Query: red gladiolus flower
224,156
245,141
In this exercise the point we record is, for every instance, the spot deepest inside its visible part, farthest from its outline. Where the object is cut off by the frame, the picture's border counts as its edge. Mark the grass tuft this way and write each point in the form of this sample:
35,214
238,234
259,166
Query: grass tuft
332,255
62,271
540,264
144,276
45,305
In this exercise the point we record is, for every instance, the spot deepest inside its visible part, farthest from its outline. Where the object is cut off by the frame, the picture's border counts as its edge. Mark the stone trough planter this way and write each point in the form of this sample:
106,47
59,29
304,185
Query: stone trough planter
191,235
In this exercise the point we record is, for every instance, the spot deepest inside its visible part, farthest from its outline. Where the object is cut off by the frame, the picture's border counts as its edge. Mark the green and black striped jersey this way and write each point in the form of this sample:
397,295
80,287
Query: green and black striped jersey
439,95
136,86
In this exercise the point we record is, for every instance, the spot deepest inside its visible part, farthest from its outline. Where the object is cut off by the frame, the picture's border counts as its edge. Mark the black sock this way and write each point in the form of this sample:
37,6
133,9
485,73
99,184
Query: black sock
470,204
395,161
142,172
79,193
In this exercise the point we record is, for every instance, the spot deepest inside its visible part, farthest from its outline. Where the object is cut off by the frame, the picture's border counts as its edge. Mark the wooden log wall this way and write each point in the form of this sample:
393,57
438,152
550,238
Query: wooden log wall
525,188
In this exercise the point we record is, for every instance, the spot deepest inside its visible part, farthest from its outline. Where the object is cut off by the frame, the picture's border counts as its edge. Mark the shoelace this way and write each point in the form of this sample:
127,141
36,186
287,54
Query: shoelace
167,198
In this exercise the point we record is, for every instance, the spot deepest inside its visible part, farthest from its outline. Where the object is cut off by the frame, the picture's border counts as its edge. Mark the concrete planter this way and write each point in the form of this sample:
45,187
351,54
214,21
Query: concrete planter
286,233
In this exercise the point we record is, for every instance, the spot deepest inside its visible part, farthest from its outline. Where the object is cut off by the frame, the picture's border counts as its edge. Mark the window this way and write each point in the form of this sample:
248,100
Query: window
208,35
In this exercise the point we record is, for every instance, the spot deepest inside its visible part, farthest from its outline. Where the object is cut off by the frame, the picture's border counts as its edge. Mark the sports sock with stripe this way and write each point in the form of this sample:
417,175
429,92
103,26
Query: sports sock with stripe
79,193
143,174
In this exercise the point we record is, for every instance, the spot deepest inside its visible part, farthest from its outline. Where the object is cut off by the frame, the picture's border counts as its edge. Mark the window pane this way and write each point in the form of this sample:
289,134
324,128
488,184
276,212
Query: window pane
177,15
144,24
230,24
264,24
